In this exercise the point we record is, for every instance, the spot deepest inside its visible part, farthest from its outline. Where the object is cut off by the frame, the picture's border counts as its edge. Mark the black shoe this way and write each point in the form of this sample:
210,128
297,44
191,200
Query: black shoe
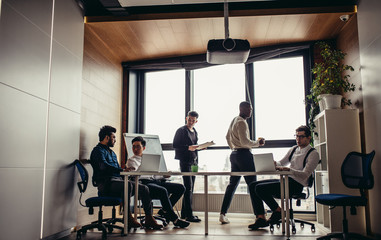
181,223
259,223
275,217
193,219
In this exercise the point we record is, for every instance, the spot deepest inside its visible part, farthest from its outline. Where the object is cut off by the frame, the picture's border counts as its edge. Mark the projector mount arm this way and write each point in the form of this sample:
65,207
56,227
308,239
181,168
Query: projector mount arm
228,43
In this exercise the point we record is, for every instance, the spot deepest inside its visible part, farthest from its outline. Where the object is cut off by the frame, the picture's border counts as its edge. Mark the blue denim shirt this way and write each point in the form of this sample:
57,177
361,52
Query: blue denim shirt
104,163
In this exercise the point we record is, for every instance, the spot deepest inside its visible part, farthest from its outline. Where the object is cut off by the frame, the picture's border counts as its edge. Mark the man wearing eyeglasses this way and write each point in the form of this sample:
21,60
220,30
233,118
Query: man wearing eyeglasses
301,160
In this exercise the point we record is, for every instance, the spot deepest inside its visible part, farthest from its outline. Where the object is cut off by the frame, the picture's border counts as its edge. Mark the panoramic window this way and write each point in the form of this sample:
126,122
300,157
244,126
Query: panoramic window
218,91
215,93
279,97
164,103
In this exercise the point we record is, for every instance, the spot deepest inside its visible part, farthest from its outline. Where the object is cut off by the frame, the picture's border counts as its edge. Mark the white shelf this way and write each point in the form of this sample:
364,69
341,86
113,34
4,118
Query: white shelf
338,133
320,144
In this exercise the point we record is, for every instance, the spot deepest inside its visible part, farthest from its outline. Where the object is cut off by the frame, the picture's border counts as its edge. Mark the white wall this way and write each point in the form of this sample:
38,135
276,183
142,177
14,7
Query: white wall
41,50
369,17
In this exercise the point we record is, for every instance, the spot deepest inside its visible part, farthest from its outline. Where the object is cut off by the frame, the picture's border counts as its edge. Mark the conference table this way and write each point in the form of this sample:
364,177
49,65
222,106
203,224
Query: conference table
283,177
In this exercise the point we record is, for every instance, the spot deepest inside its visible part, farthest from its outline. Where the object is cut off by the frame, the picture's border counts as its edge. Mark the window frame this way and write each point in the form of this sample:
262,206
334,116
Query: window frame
136,113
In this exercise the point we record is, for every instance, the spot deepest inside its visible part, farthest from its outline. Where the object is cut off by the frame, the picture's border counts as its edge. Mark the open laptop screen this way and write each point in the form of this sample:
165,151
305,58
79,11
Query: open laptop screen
150,163
264,162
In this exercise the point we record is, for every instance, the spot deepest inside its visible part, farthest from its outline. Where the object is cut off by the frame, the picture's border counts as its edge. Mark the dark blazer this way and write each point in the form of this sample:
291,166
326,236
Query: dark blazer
181,142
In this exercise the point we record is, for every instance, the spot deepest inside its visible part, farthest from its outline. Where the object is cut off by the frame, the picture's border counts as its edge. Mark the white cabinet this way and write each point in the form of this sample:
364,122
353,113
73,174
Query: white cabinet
337,134
322,186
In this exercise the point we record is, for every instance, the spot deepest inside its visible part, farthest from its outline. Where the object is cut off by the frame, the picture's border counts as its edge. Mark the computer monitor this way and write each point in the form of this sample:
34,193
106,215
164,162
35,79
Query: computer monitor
153,146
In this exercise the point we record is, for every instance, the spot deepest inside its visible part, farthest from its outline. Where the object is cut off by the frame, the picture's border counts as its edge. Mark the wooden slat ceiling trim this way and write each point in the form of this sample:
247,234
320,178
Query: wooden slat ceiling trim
137,40
212,14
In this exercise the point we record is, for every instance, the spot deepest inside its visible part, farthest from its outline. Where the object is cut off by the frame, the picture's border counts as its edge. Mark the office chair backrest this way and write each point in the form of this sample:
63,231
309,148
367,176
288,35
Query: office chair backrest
96,174
356,170
82,185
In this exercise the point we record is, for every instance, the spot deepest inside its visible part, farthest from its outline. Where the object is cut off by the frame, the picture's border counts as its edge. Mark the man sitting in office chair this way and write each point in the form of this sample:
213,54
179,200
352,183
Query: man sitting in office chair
301,160
159,188
108,180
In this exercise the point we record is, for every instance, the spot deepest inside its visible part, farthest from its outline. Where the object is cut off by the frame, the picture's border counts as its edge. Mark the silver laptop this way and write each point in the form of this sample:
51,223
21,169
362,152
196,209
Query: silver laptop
150,163
264,162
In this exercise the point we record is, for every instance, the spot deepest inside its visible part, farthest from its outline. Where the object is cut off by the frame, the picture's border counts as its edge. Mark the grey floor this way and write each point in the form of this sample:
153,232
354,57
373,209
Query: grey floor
237,230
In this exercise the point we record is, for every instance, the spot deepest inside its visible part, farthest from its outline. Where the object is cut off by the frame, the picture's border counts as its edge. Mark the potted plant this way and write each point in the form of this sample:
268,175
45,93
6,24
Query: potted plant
330,81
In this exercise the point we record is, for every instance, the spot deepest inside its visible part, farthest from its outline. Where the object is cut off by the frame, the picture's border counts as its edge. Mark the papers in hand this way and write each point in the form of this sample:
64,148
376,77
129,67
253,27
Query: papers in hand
205,145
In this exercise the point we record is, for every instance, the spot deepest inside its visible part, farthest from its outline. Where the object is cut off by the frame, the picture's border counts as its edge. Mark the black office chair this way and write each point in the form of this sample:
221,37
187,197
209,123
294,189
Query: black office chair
92,202
356,173
298,197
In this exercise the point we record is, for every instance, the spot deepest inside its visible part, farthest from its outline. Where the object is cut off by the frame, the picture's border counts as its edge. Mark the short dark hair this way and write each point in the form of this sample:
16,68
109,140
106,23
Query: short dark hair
304,129
193,114
106,131
244,104
139,139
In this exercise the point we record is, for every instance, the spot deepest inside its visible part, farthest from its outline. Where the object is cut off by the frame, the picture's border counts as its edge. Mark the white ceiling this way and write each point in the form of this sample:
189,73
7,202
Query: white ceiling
137,3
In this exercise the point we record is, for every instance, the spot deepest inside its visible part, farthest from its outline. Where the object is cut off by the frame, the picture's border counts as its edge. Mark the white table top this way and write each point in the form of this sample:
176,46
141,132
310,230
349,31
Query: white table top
206,173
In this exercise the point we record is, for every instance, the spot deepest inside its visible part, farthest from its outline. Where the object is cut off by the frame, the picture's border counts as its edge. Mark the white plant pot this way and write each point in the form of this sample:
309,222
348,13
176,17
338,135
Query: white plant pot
332,101
321,102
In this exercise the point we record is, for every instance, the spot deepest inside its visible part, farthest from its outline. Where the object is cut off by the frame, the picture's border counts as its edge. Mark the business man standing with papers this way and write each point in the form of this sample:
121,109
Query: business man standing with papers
241,158
185,145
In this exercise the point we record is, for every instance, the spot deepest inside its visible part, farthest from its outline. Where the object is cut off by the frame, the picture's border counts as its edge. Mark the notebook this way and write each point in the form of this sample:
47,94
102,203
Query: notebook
264,162
150,163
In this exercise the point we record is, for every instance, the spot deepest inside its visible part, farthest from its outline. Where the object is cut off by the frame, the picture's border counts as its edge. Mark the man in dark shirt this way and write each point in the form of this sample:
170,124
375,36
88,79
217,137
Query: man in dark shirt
108,180
185,145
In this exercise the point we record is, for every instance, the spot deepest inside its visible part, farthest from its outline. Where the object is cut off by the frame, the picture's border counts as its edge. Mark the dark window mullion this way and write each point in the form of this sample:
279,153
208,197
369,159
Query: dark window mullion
249,74
140,109
307,63
188,91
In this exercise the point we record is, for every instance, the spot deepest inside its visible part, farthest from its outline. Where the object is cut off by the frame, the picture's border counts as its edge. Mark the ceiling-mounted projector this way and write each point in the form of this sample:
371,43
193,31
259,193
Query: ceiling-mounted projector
222,51
228,50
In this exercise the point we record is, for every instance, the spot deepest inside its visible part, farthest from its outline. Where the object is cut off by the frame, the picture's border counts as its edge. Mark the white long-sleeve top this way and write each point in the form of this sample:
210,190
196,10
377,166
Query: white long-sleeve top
298,173
238,135
134,162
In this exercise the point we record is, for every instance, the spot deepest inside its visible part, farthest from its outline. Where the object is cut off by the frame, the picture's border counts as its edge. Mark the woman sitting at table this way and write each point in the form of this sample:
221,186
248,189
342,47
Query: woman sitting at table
168,193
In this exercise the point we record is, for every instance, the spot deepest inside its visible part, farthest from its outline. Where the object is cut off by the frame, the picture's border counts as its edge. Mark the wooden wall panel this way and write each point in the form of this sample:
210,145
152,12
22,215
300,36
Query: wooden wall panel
101,102
348,42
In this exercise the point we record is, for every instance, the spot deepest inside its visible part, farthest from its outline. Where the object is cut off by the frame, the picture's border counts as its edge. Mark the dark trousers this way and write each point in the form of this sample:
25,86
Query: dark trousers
116,189
168,194
241,161
266,190
186,209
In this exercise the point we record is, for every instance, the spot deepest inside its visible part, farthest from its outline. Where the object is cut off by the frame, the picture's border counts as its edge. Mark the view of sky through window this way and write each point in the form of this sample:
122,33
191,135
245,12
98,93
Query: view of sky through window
218,90
165,103
279,97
